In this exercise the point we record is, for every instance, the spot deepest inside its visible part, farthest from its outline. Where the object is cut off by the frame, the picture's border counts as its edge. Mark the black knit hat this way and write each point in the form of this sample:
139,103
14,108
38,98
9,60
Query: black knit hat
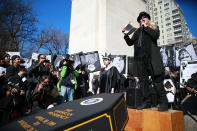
142,14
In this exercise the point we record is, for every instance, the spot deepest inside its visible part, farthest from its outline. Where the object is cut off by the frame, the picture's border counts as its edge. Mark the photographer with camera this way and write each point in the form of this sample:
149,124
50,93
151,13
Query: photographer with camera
45,93
68,79
18,84
82,82
36,70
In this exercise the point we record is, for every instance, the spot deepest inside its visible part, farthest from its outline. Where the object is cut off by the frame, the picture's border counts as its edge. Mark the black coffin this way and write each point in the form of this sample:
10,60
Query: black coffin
104,112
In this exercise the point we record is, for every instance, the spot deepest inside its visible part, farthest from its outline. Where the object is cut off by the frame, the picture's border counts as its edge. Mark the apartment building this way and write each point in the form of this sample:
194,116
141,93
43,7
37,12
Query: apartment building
170,18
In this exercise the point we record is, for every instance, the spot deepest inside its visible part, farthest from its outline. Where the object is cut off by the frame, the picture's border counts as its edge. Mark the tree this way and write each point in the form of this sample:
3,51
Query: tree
52,40
17,24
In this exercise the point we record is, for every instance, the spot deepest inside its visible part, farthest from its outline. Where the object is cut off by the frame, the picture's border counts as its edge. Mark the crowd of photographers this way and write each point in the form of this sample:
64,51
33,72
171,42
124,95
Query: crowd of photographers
23,91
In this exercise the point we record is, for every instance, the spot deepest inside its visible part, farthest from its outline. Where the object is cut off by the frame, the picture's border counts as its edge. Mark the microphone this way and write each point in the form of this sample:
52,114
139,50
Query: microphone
142,25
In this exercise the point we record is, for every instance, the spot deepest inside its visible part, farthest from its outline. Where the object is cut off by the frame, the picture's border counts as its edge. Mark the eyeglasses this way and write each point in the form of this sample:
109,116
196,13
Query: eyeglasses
42,58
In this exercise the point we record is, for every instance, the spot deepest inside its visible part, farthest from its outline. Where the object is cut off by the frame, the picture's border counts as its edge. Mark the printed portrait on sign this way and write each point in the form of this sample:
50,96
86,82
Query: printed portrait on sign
184,52
27,62
168,56
91,60
77,59
119,61
57,61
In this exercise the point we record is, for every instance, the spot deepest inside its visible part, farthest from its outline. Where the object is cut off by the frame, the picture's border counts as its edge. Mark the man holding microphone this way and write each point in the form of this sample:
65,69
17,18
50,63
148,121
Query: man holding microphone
148,57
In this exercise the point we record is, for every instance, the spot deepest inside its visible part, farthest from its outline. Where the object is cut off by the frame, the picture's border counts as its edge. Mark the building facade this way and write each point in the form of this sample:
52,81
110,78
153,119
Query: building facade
96,25
170,18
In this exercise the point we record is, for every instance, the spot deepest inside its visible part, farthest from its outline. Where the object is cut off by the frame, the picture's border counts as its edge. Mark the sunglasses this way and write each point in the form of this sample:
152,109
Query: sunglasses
144,17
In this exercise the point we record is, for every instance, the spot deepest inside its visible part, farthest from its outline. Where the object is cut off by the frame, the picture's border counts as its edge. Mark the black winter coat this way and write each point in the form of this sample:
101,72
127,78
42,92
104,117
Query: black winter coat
148,51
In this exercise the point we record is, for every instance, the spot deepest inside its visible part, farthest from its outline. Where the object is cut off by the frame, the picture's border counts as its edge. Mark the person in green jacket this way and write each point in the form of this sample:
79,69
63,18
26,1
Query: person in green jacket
68,82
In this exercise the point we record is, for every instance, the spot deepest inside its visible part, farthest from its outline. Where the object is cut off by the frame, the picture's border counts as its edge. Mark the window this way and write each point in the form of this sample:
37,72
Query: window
167,18
155,9
177,28
167,14
169,40
168,35
156,18
168,29
178,22
159,2
155,13
166,4
175,17
179,39
168,24
166,9
174,12
177,34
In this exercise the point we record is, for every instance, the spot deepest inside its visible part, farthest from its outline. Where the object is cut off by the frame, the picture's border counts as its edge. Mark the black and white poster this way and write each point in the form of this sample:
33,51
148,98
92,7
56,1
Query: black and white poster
13,53
77,59
170,90
119,61
187,68
91,60
184,52
168,55
57,61
27,62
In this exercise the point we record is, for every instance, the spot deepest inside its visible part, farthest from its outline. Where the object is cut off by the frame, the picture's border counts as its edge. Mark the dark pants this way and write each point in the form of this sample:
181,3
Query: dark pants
157,82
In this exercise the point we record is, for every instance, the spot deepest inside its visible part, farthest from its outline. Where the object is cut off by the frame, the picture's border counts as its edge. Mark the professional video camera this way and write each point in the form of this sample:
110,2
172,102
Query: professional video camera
69,61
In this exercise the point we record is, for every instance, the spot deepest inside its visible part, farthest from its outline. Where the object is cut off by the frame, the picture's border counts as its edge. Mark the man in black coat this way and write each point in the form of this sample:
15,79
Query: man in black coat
148,57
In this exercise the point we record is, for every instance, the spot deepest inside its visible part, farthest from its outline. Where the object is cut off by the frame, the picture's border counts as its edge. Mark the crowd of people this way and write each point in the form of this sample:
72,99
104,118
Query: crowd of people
23,91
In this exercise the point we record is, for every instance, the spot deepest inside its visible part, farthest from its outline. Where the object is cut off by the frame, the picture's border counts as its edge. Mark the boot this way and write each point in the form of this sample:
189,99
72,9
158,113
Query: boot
163,107
145,104
163,102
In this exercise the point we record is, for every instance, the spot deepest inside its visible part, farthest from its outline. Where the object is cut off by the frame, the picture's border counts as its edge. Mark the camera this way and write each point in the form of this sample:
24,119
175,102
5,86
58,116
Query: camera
18,86
45,85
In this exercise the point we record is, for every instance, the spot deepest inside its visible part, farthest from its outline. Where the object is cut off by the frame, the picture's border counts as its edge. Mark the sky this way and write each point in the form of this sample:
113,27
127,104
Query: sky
56,13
